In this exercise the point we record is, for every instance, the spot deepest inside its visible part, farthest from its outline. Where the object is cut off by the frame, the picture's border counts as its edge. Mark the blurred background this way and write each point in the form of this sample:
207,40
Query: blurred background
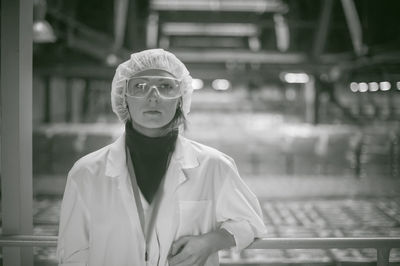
303,94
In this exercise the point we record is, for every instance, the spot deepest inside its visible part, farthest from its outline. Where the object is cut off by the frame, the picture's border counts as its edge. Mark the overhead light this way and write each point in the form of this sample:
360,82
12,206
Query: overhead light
197,84
295,77
398,85
220,84
363,87
373,86
112,60
354,87
42,30
384,85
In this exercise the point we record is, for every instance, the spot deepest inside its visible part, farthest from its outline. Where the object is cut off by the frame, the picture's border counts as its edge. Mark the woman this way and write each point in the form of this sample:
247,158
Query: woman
154,197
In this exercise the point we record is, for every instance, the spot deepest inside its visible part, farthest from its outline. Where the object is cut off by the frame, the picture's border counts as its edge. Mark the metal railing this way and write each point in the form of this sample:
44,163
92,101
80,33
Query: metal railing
383,245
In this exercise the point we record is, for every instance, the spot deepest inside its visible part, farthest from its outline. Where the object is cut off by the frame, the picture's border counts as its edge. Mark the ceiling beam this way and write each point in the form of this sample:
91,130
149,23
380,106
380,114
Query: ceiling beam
218,56
205,43
197,70
214,17
257,6
210,29
89,41
89,71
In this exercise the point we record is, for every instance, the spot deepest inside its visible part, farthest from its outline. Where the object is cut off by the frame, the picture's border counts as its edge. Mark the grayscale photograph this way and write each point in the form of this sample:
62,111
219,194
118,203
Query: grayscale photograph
200,133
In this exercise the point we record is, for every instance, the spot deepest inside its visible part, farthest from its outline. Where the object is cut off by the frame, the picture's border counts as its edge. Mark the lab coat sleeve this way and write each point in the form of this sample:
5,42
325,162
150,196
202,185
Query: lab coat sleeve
73,237
237,209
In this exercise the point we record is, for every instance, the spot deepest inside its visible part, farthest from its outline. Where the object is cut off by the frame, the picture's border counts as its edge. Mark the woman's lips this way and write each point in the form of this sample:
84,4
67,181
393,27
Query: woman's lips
152,112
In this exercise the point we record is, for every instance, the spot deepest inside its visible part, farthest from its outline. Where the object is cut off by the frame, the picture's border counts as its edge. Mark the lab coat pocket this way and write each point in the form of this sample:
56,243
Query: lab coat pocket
195,217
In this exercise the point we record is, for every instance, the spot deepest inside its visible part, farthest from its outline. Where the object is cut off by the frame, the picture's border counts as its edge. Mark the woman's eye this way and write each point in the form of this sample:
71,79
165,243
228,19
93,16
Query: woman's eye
165,86
141,86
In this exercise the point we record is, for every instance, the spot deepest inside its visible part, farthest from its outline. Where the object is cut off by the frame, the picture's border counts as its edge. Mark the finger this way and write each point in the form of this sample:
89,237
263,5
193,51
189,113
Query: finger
189,261
178,244
180,257
199,261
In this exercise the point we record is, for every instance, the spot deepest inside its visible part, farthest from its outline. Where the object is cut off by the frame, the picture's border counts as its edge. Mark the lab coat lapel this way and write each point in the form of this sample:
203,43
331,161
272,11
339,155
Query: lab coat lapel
116,168
184,157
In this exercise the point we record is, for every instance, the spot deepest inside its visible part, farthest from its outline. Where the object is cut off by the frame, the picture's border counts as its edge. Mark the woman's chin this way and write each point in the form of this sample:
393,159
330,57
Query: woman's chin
154,125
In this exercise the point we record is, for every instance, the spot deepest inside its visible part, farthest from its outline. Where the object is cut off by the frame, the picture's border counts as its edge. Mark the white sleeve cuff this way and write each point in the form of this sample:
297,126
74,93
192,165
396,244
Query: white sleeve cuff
241,231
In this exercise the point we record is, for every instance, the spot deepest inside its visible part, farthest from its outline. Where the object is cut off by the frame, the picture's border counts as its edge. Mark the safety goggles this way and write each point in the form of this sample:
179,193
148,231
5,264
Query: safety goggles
140,87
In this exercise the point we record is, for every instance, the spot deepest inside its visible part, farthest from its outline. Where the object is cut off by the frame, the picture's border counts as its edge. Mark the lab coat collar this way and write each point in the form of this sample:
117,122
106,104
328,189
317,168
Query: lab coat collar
184,155
116,158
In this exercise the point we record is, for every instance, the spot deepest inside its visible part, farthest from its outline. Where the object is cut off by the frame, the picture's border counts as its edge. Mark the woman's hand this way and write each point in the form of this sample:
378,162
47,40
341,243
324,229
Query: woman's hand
190,250
195,250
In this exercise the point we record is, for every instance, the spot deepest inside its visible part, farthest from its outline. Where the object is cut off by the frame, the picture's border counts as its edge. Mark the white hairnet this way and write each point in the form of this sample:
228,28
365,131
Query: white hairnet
149,59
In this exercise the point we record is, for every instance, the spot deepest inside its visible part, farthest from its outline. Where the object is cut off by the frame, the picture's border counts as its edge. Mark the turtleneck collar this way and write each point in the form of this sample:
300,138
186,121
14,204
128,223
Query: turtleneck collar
148,145
150,158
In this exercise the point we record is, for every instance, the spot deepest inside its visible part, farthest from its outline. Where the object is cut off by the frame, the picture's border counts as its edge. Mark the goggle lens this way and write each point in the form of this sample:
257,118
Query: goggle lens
140,86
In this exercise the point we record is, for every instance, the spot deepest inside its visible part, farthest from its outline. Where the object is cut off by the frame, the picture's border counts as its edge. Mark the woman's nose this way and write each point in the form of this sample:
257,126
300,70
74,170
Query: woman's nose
153,94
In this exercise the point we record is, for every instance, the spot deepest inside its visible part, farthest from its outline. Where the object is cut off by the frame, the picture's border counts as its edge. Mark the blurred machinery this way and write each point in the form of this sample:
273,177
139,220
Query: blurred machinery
347,50
320,62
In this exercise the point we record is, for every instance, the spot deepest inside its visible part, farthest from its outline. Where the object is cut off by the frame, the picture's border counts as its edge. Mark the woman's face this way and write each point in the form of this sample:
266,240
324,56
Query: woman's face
152,111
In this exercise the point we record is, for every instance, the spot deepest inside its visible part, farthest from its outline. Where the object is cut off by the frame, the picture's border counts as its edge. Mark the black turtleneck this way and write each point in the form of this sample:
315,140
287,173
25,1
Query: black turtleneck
150,158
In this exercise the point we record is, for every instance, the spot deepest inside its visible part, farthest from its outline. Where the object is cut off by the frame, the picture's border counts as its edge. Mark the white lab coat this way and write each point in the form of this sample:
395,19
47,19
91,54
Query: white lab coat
99,223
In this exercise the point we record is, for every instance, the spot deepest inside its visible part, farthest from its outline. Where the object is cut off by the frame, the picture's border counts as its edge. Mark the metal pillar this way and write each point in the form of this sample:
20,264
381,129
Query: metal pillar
312,101
120,19
152,31
354,24
322,29
16,126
